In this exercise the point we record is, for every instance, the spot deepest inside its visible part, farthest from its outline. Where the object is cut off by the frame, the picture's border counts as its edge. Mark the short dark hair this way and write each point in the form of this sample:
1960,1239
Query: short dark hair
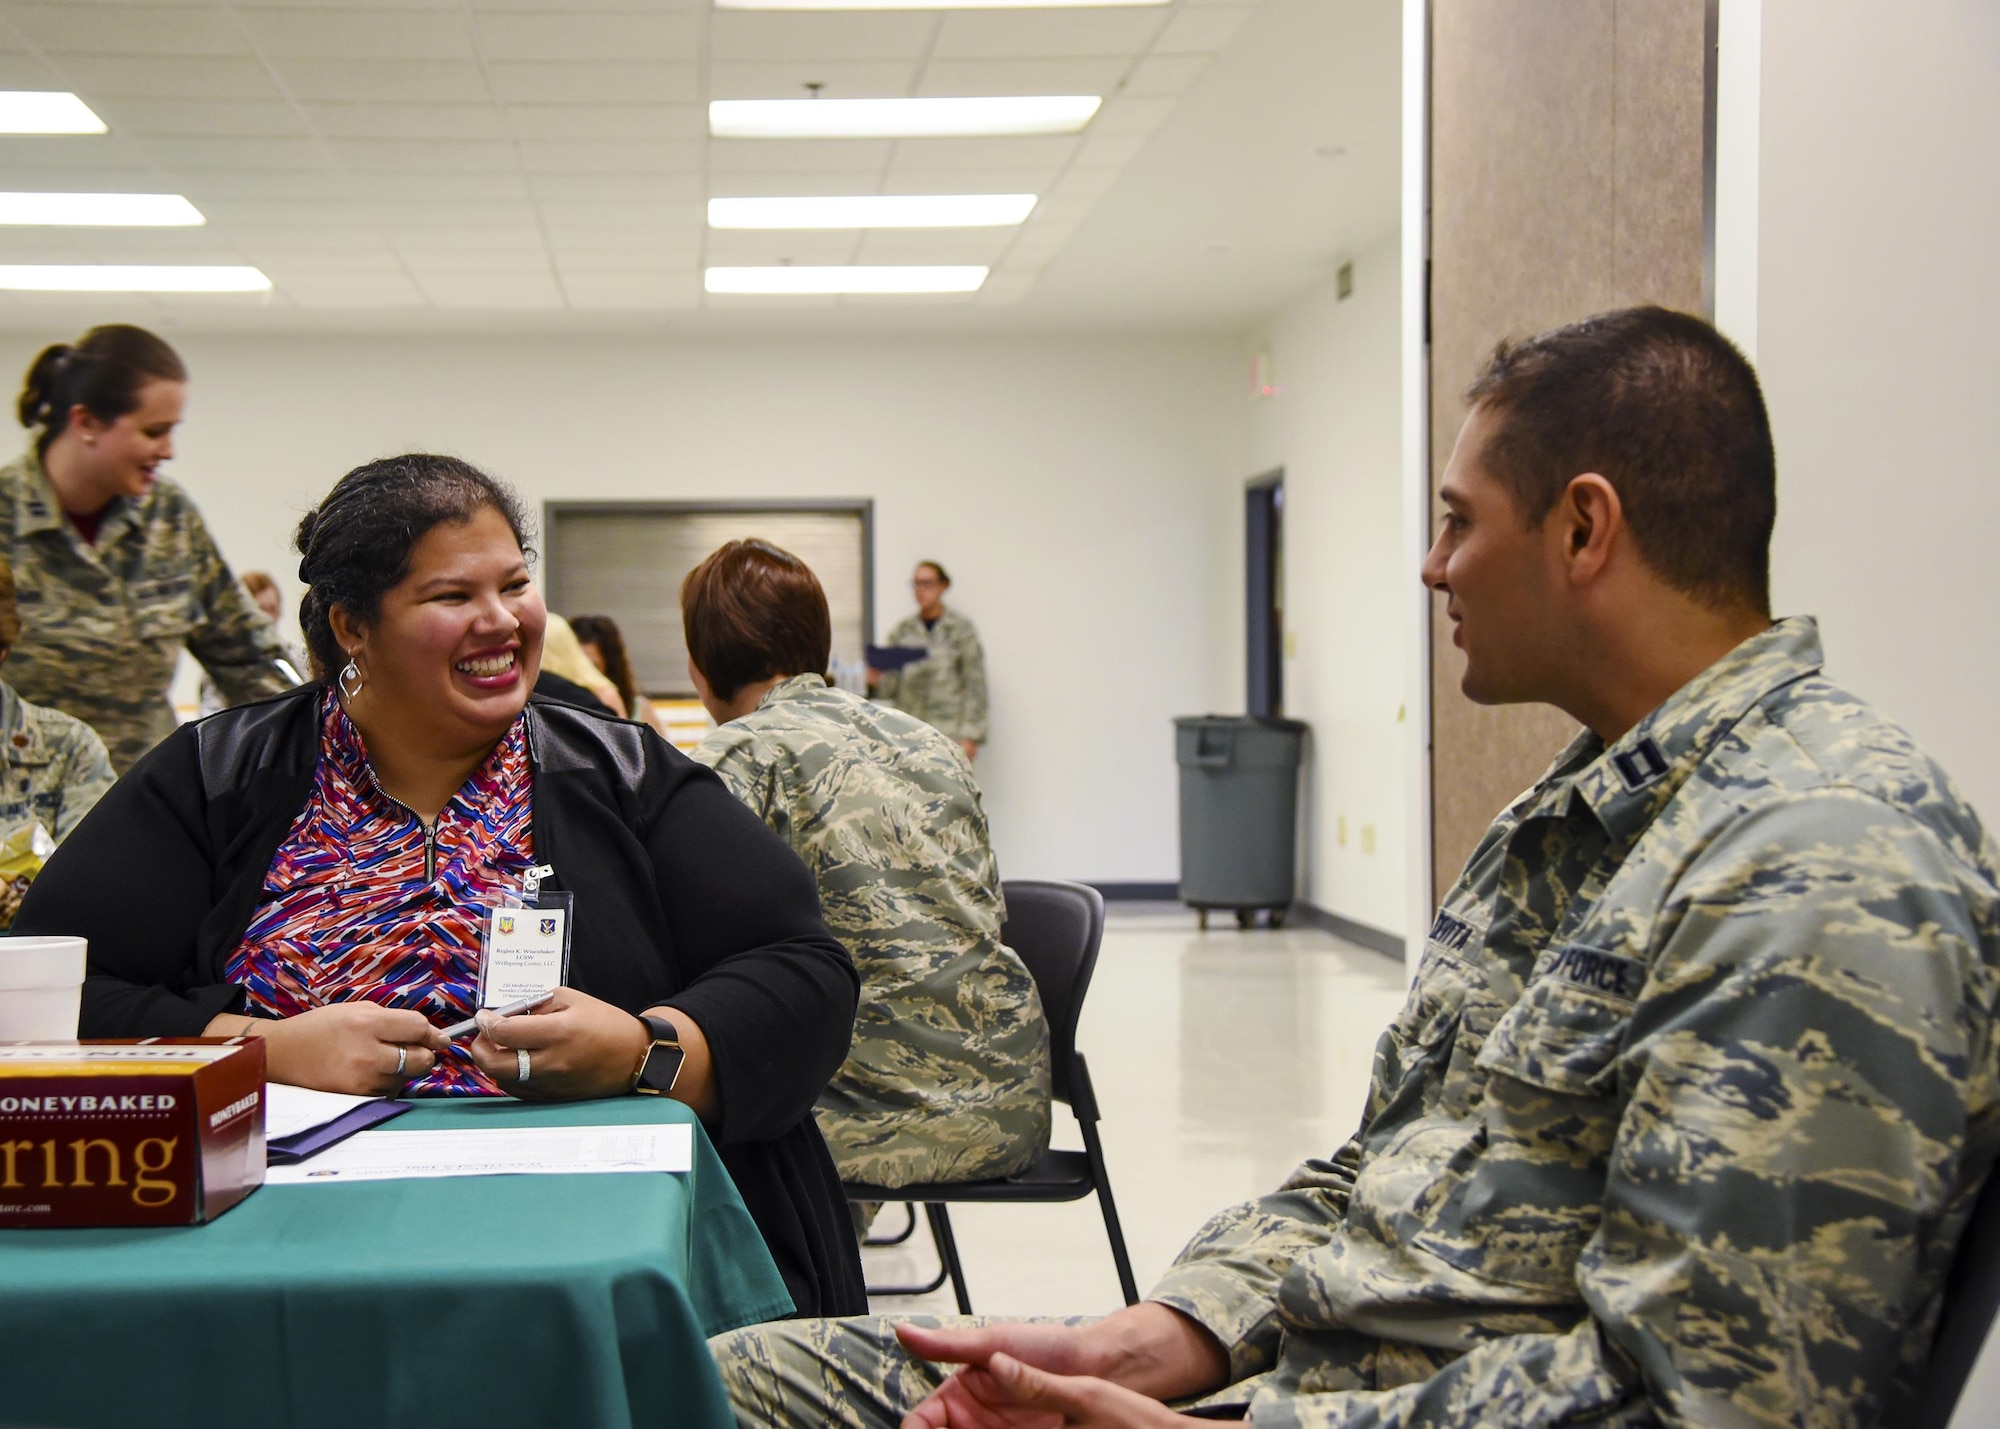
1669,412
103,370
602,631
355,545
943,578
752,611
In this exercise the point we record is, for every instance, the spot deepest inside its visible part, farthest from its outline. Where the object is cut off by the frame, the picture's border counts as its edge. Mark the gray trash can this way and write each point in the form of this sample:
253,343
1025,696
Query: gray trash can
1239,812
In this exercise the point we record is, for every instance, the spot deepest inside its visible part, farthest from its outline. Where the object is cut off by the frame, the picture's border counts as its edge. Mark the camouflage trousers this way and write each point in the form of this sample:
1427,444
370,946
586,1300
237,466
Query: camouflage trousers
847,1373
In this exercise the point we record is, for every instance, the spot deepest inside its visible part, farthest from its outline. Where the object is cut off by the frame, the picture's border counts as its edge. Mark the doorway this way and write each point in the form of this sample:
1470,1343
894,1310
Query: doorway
1264,609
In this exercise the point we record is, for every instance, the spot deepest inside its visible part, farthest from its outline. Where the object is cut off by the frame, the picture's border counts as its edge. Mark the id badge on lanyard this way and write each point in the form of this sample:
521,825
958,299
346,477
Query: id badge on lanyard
527,942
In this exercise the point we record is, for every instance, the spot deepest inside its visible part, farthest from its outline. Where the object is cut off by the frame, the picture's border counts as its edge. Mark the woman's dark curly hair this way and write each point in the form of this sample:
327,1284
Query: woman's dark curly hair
355,546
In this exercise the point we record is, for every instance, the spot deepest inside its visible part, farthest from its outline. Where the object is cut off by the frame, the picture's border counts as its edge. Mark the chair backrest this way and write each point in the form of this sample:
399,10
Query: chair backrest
1971,1298
1056,928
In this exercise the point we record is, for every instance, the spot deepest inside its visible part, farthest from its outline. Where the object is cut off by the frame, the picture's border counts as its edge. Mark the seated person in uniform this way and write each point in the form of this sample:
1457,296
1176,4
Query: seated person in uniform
1696,1084
53,766
317,870
948,1079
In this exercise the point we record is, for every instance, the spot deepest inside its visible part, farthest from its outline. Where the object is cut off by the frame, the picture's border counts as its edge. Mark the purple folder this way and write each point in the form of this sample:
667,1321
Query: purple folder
288,1149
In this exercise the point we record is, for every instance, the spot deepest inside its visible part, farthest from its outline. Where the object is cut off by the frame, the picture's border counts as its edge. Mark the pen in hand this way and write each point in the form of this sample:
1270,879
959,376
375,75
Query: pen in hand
471,1024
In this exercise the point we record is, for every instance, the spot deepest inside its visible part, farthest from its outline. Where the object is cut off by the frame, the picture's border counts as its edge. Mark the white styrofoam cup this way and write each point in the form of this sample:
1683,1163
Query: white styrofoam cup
41,988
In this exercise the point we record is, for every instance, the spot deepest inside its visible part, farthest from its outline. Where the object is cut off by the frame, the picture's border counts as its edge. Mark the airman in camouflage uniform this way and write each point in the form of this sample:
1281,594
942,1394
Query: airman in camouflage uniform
1679,1125
102,625
948,1079
947,688
54,767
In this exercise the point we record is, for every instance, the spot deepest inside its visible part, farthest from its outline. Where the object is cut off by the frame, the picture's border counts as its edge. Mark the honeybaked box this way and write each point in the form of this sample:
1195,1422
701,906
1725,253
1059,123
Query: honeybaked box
164,1132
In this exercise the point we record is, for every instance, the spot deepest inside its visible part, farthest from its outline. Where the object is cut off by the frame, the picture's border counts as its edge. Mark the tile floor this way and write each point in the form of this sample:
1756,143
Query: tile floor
1221,1059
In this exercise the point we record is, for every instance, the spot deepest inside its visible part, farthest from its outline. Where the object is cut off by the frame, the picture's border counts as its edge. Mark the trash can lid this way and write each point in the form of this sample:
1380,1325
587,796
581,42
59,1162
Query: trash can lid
1216,721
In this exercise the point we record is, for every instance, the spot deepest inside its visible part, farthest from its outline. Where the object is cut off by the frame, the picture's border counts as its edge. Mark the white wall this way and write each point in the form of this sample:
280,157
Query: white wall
1068,483
1878,338
1335,426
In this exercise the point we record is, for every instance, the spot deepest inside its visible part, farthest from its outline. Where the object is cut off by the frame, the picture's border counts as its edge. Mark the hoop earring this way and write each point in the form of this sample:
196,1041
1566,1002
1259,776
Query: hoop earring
350,680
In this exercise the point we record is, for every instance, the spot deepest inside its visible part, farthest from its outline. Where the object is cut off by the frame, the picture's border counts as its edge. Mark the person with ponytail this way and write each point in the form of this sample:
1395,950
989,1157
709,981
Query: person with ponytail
116,570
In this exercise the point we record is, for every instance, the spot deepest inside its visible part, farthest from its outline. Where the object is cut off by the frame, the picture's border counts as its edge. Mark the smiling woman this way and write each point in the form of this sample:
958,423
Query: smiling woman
116,568
321,870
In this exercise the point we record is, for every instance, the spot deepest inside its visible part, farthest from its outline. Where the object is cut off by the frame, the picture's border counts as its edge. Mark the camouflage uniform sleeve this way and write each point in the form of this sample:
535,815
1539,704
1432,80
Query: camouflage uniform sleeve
86,774
733,754
234,642
1787,1177
972,662
1227,1278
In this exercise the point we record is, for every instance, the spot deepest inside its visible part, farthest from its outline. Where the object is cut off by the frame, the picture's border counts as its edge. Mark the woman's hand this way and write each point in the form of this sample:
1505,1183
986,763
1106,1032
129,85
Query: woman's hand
1007,1394
353,1047
576,1047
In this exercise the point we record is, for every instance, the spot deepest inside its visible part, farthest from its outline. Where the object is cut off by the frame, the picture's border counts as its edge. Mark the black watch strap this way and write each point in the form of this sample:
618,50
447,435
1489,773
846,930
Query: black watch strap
661,1066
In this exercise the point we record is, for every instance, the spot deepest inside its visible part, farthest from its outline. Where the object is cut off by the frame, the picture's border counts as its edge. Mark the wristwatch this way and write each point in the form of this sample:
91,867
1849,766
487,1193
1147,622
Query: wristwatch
660,1067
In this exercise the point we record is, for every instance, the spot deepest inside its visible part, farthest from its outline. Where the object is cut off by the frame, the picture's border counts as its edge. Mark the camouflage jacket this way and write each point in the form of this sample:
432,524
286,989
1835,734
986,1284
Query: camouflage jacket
55,766
948,687
1685,1111
102,625
948,1078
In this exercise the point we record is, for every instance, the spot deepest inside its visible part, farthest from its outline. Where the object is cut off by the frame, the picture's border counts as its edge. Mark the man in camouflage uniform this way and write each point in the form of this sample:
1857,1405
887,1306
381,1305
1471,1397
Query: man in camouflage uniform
1698,1079
947,688
103,623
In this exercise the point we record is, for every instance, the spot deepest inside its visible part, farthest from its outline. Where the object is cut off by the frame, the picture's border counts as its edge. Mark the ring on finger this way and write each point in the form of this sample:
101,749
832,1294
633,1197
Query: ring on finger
402,1059
521,1064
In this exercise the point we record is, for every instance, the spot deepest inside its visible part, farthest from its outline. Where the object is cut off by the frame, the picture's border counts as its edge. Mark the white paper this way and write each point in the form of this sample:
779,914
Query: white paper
290,1110
389,1155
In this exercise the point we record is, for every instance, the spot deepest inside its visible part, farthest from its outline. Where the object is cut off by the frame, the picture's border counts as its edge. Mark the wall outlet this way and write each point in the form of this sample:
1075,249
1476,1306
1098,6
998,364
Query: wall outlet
1368,838
1340,831
1291,644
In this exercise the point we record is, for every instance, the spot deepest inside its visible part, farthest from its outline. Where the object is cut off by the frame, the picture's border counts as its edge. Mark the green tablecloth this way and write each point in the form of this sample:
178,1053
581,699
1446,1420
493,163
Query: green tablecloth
488,1300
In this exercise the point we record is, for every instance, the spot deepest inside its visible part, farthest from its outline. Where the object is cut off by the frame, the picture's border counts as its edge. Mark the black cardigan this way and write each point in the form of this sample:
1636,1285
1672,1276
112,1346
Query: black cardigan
682,895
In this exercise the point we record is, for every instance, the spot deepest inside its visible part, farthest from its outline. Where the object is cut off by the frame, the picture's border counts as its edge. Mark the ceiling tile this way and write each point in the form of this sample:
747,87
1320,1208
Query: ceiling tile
423,244
633,291
1125,115
953,245
609,156
18,71
169,78
787,79
755,247
844,35
335,292
951,78
203,187
1047,34
498,292
609,7
505,221
1110,151
1201,32
783,183
338,33
1005,289
440,155
407,121
320,243
594,82
1081,185
571,214
269,213
388,188
570,36
1026,155
969,179
484,265
200,117
128,30
608,121
613,188
281,155
407,81
656,263
1165,76
750,156
683,239
73,151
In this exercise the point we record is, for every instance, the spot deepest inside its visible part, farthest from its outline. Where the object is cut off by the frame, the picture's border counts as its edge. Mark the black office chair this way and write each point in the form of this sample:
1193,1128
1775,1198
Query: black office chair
1056,929
1971,1299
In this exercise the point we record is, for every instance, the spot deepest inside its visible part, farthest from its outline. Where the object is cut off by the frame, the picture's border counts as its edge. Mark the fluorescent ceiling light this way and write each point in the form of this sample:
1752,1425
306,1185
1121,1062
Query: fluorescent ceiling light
43,111
899,118
873,211
130,278
859,278
928,4
100,210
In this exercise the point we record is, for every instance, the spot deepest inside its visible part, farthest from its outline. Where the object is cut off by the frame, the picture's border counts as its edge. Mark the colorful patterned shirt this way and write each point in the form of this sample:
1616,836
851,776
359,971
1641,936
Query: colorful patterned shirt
362,902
